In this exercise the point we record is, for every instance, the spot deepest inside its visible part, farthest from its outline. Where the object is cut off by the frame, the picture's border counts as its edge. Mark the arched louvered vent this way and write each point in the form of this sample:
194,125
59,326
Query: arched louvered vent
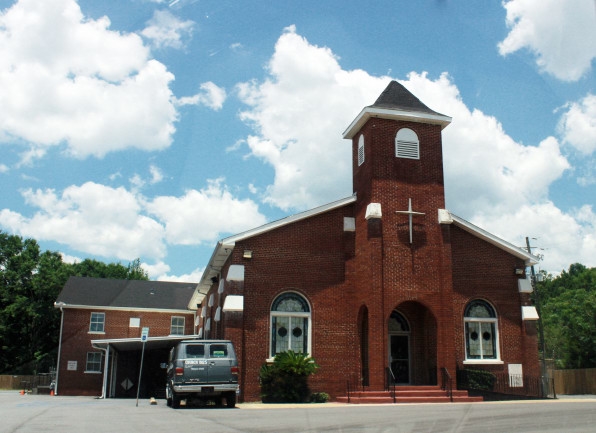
407,144
361,150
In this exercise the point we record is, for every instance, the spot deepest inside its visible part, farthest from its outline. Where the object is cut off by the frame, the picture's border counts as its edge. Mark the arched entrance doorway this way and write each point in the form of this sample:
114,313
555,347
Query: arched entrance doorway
399,348
412,345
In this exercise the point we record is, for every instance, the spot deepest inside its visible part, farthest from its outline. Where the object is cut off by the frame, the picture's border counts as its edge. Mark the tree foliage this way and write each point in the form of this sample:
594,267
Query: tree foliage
568,309
30,281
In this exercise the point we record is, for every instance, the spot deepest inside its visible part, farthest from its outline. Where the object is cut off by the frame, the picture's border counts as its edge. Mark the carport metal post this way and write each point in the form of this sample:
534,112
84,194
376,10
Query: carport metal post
144,336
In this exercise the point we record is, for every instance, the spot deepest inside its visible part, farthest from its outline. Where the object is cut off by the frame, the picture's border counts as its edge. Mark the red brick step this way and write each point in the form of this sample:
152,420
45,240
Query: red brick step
409,394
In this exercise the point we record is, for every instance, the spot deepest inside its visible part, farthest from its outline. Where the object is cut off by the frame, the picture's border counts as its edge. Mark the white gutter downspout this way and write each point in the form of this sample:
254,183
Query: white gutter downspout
105,371
61,305
105,368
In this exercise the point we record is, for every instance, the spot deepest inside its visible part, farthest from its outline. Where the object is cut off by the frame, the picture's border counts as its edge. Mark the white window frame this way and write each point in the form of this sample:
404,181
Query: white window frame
493,322
407,144
97,326
93,362
291,315
177,326
361,150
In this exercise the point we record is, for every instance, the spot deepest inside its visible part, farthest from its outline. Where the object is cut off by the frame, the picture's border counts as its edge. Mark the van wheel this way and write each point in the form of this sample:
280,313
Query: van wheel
231,400
175,400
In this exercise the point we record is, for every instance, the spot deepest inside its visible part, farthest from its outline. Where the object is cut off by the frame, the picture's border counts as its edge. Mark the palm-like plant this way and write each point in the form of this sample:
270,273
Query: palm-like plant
295,363
286,380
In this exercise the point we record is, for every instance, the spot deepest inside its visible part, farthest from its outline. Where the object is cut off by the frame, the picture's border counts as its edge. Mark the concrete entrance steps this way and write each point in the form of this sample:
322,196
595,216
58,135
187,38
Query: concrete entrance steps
409,394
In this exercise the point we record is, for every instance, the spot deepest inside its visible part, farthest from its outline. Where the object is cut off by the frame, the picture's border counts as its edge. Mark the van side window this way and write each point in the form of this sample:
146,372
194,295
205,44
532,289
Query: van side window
195,351
219,351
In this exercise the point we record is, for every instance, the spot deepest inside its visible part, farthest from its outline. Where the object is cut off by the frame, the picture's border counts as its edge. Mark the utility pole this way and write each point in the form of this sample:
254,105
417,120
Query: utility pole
540,328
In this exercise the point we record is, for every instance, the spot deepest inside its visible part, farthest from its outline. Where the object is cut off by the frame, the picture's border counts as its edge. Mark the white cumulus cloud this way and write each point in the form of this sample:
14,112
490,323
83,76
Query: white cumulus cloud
90,218
298,114
211,96
69,80
192,277
560,33
201,216
114,222
578,125
165,30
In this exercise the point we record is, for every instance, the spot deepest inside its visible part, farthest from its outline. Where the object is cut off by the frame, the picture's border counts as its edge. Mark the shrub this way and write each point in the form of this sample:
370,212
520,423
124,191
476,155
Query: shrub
319,397
286,380
479,379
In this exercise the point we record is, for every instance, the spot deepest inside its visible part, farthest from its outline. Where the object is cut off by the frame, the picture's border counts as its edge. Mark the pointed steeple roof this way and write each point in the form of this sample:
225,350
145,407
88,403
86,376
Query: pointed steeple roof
397,102
397,97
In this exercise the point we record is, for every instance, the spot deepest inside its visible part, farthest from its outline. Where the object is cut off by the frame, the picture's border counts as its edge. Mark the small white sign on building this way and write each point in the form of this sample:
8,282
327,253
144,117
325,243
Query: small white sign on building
71,366
516,376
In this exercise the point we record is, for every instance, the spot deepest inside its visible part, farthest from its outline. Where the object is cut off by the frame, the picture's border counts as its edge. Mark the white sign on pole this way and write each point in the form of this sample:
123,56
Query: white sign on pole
144,336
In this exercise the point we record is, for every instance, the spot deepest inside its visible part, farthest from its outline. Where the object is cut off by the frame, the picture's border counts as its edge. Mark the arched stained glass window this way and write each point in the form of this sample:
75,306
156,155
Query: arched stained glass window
290,324
398,323
481,330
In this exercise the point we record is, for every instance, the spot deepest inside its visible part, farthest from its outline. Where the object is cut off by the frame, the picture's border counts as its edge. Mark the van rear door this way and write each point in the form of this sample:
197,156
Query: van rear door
221,358
195,363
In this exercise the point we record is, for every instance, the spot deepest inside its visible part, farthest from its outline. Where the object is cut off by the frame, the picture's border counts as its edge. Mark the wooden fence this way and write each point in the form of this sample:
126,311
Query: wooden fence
572,382
24,382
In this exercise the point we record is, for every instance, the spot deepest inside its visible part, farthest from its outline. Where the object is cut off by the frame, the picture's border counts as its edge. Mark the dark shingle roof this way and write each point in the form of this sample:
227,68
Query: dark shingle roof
397,103
103,292
397,97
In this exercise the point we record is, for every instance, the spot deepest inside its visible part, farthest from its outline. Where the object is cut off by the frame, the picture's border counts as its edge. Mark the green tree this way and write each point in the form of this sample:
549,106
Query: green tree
96,269
569,317
136,271
30,282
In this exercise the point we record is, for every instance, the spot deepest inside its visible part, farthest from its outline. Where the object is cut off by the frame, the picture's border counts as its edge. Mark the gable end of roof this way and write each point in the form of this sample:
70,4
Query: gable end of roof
528,258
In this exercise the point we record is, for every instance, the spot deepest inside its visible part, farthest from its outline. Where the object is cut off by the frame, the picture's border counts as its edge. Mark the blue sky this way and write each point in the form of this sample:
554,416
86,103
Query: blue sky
151,129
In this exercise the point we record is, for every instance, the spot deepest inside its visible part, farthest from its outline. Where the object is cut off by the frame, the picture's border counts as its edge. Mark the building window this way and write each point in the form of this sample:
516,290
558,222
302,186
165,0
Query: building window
481,330
407,144
93,362
361,150
177,326
290,324
98,321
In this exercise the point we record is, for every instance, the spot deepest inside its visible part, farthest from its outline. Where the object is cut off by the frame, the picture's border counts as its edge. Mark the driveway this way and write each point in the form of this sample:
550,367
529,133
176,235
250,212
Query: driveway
31,413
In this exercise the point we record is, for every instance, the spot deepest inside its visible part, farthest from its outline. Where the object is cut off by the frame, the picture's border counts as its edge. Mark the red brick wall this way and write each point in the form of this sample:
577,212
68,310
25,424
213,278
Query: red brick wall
483,271
307,257
76,342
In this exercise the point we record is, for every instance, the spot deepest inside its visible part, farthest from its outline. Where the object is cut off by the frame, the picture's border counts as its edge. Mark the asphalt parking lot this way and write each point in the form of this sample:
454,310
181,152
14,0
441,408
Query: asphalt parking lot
39,413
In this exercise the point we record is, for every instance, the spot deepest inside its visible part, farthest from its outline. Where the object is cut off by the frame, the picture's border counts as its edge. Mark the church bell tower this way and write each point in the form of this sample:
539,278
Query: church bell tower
403,283
397,152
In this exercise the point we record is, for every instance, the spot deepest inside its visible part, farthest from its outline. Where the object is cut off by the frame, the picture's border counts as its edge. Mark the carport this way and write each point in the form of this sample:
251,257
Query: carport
122,359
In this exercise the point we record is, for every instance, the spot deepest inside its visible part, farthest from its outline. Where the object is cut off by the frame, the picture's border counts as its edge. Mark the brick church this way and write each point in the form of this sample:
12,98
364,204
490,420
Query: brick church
384,286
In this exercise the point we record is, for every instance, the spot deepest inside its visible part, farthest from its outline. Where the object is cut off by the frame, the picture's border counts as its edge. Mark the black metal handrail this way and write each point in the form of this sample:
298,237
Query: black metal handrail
390,383
447,383
506,384
352,384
